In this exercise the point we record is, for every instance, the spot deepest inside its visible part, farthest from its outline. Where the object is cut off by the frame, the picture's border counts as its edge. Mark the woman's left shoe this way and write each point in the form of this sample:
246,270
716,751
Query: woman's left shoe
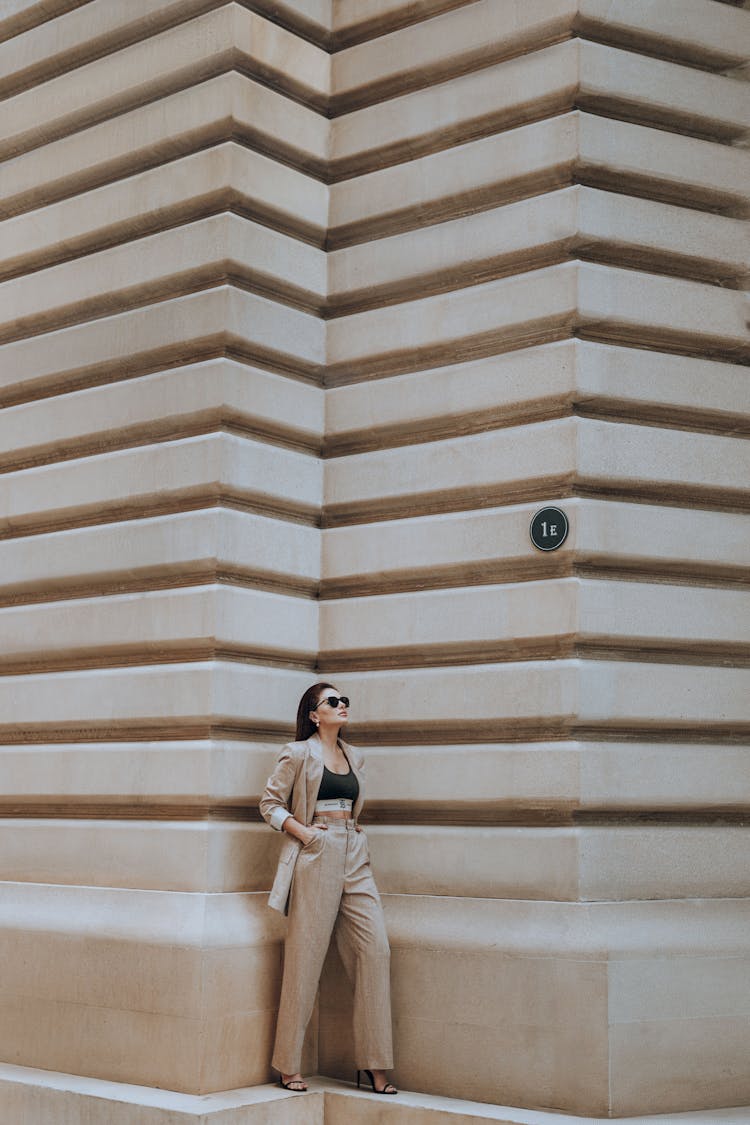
389,1088
296,1085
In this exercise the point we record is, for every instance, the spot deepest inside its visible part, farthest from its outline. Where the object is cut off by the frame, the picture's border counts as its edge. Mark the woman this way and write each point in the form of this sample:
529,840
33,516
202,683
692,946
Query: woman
325,884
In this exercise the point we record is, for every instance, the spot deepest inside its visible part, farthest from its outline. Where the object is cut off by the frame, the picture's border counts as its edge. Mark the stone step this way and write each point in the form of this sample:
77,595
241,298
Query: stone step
50,1098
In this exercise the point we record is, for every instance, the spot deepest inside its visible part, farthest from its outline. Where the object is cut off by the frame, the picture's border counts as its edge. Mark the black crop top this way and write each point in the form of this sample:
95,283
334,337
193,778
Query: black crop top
338,785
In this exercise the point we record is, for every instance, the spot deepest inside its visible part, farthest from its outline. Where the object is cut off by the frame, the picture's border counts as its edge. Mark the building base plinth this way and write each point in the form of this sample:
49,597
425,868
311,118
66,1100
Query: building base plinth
45,1097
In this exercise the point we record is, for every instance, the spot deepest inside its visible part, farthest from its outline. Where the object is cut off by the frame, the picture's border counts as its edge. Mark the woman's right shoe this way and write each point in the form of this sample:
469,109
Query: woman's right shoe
294,1085
389,1088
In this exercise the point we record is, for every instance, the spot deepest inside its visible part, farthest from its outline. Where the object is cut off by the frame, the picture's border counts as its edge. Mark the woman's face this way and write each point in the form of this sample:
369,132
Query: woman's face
330,717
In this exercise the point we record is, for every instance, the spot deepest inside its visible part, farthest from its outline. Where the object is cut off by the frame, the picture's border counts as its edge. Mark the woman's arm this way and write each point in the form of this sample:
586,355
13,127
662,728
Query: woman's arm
274,804
304,834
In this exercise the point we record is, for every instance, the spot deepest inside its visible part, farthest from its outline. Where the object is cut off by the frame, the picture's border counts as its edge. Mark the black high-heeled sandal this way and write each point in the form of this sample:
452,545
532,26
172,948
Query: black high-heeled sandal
375,1090
292,1083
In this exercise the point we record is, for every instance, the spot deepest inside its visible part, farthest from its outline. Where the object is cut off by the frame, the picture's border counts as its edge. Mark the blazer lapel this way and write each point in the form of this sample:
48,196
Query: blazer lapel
313,775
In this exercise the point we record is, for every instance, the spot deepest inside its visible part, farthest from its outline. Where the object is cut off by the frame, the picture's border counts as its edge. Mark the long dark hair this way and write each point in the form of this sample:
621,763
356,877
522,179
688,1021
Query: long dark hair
308,703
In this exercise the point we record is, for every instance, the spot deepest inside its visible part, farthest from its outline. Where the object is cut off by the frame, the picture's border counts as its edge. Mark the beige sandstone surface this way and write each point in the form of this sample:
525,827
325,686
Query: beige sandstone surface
306,308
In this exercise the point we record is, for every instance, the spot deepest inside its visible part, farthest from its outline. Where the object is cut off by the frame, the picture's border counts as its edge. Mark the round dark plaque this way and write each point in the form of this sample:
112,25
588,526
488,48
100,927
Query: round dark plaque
549,529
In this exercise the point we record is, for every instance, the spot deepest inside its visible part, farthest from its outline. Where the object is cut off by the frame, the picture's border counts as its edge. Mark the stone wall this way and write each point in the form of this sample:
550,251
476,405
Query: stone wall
306,308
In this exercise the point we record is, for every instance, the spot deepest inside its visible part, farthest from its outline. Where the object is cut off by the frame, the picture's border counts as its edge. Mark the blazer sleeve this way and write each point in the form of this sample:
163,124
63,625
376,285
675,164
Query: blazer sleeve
274,804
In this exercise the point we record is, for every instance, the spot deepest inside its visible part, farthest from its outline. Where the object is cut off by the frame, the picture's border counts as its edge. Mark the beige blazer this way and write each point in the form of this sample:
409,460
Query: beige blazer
292,789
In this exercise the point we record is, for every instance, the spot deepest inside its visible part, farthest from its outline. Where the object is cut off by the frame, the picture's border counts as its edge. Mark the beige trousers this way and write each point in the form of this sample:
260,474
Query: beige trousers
334,894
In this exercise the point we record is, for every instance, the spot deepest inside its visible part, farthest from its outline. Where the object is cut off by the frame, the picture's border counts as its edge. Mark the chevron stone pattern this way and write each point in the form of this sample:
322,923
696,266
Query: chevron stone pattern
306,308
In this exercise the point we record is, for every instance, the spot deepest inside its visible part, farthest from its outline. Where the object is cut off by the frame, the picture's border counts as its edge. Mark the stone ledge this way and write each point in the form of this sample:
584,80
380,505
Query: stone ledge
183,190
66,1099
215,322
211,112
344,1105
201,48
212,544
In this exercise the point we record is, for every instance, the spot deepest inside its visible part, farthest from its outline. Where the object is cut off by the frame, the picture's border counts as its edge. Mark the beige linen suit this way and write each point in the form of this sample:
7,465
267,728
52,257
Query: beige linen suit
327,889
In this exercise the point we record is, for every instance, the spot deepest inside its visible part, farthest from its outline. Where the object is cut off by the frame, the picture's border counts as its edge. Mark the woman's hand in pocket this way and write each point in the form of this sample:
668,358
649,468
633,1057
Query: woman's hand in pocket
312,834
302,832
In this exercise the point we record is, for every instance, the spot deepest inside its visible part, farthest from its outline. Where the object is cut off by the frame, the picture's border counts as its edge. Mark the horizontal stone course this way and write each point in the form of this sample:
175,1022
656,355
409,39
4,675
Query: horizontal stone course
20,15
535,699
620,863
170,263
130,915
75,36
695,31
183,190
327,1103
195,471
474,37
194,621
552,80
624,453
553,863
150,778
472,105
600,454
313,19
482,319
206,113
477,546
432,187
197,397
610,304
207,324
164,550
191,699
652,90
355,20
572,222
499,782
502,466
199,49
432,624
536,383
534,158
379,556
592,696
623,157
457,41
170,856
47,1094
58,1033
480,783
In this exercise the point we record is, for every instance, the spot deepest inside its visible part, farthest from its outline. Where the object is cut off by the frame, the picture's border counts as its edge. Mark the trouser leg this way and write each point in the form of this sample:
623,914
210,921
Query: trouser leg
362,942
314,903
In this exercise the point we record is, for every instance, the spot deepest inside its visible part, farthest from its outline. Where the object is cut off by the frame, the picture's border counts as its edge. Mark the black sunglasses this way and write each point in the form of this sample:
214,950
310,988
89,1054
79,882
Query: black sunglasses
334,700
